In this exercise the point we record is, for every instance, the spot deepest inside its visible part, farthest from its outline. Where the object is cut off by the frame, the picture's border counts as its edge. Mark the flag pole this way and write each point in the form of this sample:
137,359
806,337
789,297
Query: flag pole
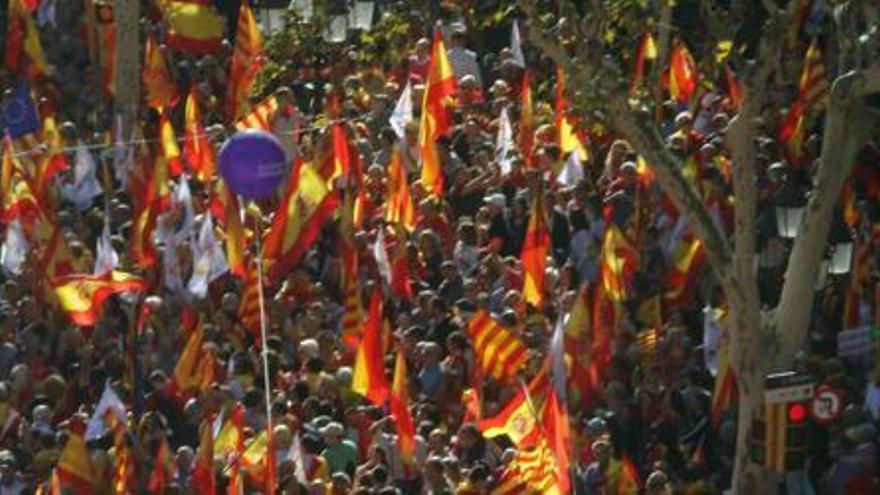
265,354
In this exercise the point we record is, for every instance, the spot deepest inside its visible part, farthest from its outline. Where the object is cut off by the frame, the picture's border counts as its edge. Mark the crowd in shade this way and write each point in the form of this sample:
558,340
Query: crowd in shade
459,286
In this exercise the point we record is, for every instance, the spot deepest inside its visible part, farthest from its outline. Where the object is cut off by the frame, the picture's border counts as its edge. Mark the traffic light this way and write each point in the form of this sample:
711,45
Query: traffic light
779,437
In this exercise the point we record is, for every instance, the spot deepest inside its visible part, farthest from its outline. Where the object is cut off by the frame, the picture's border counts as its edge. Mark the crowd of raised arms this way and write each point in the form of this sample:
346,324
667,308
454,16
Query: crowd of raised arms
466,286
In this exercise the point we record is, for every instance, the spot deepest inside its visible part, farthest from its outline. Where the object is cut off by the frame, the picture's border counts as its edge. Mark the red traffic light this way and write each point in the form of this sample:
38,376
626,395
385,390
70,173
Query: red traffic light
797,412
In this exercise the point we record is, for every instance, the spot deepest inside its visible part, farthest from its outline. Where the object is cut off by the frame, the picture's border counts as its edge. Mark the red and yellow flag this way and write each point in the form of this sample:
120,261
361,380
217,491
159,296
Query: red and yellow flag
526,135
369,367
19,202
533,470
224,207
309,202
734,89
682,76
194,26
202,478
75,471
623,478
566,138
170,148
535,248
247,59
159,85
260,117
619,260
517,420
82,296
156,198
813,89
556,424
24,52
53,161
195,367
406,428
682,276
647,51
399,209
436,117
197,149
499,352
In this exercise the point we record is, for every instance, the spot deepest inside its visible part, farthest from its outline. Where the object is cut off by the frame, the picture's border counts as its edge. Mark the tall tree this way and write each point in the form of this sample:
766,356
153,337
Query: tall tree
586,44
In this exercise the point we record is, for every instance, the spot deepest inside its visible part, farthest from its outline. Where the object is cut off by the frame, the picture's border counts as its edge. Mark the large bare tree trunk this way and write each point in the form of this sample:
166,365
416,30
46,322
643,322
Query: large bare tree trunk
128,63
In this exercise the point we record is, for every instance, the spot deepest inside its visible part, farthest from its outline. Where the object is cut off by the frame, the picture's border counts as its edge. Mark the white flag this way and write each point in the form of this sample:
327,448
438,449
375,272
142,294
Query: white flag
557,358
381,256
504,143
14,250
106,258
296,455
403,112
171,276
85,184
123,154
209,260
516,46
572,172
109,404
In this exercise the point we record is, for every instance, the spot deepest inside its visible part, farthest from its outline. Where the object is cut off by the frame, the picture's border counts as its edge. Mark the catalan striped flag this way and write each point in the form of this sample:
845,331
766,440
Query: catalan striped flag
352,316
646,343
813,90
249,304
369,368
500,353
309,202
82,296
247,59
535,248
260,117
436,115
682,77
159,85
194,26
533,470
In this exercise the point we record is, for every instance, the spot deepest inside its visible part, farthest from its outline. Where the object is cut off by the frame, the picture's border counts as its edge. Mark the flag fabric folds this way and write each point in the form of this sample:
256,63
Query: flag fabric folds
526,131
517,420
194,370
399,406
369,368
647,51
82,296
198,151
194,26
399,208
75,471
159,85
246,63
24,52
260,117
813,90
566,138
436,116
682,77
535,248
297,222
499,352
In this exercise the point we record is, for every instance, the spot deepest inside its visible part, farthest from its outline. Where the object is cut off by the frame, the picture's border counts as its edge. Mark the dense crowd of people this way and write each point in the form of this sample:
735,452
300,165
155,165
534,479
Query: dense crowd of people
646,397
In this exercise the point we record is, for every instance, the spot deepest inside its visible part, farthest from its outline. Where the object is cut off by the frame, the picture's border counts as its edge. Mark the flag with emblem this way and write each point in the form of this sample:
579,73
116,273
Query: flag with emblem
82,296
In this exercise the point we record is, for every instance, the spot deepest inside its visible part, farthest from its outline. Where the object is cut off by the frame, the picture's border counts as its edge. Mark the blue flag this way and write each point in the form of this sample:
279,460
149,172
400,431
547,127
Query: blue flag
18,115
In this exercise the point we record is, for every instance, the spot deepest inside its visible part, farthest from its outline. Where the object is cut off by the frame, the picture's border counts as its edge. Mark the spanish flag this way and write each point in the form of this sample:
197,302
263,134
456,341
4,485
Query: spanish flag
224,207
534,253
24,52
558,431
689,258
159,85
54,161
155,199
309,202
682,74
246,62
619,261
406,429
527,122
399,208
170,148
19,202
499,353
369,367
75,471
197,148
518,420
194,26
82,296
436,118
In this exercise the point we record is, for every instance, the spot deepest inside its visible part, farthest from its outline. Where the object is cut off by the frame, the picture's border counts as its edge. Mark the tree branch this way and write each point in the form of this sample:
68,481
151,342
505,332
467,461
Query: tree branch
848,125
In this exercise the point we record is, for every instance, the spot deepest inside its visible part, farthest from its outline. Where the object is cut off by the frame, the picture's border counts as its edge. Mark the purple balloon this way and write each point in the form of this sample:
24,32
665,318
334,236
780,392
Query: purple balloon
252,163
